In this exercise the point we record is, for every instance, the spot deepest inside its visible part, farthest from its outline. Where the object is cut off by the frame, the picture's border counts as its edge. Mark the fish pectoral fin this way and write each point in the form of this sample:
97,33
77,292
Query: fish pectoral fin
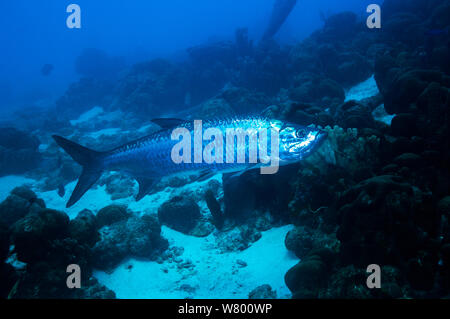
242,172
145,185
238,174
168,123
205,174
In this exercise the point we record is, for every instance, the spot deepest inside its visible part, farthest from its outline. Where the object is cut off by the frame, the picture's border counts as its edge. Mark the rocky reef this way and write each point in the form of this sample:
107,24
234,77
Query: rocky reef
376,192
390,212
41,242
19,151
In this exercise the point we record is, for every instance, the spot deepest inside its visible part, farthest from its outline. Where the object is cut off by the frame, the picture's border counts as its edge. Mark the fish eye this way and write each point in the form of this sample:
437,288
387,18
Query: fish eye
300,133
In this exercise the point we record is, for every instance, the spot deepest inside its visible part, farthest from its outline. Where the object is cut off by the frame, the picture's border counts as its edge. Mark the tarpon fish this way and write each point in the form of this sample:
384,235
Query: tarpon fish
280,12
151,158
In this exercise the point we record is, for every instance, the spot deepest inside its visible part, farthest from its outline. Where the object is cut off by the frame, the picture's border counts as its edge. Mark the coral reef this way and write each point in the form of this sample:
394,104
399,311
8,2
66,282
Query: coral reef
150,87
390,198
180,213
95,63
46,241
135,236
19,151
82,96
376,192
262,292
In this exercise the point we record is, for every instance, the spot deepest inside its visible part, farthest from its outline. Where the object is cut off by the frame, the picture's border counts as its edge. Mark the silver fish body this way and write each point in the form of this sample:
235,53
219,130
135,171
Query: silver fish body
151,158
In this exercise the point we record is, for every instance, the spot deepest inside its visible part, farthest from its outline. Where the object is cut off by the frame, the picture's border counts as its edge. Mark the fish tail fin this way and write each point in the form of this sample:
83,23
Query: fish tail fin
89,159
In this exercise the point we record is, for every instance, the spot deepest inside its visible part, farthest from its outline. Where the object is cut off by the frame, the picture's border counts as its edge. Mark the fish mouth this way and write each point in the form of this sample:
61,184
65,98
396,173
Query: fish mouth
308,145
319,140
323,136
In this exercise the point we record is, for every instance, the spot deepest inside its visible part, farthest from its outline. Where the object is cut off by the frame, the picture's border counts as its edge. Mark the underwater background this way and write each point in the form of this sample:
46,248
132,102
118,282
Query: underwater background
376,191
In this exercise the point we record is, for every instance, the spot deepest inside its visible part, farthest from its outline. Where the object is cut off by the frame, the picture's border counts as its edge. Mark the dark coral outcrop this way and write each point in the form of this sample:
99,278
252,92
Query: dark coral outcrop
19,151
131,237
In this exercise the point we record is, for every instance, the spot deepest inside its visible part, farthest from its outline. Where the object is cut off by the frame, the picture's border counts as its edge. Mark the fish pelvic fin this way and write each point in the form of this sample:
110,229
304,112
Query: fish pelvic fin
145,185
89,159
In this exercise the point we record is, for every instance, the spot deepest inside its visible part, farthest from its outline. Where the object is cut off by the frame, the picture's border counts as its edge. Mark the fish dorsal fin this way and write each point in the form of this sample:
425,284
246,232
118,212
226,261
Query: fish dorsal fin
168,123
145,185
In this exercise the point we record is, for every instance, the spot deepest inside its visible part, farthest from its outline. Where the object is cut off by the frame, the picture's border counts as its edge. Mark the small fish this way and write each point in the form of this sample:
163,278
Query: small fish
150,158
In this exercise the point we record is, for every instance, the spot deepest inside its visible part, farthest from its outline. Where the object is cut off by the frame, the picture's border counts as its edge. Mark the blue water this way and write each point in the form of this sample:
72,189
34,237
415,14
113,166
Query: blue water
35,34
87,129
